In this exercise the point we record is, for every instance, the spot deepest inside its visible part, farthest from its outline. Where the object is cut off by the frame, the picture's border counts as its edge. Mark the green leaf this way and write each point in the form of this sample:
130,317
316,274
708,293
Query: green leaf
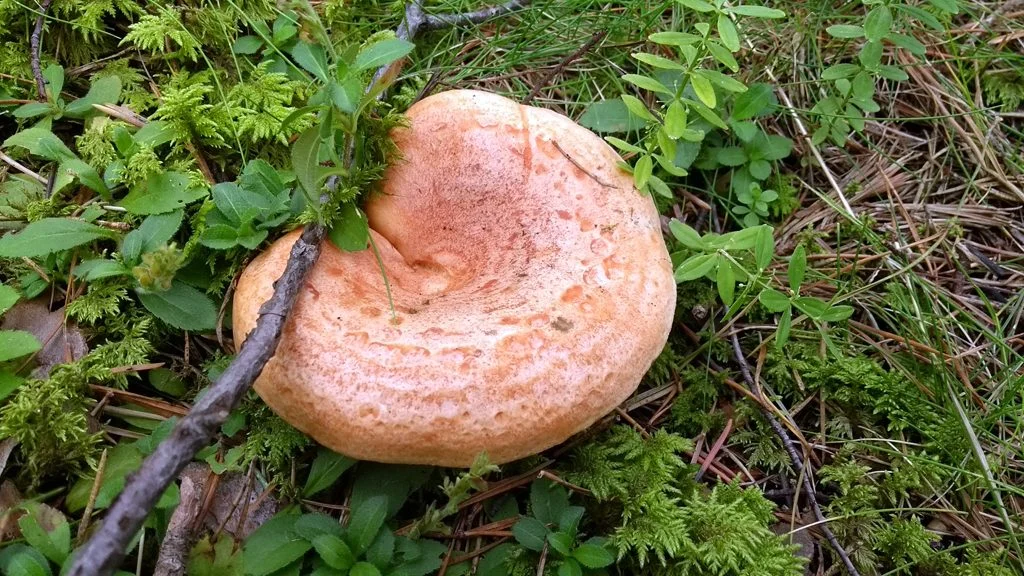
647,83
570,567
908,43
593,555
722,81
642,171
54,544
394,482
731,156
382,551
50,235
273,546
106,90
707,114
637,108
776,148
162,192
878,23
658,61
797,268
560,542
334,551
837,71
659,187
32,109
870,55
696,267
698,5
87,174
8,298
785,324
345,95
21,560
774,300
325,471
756,11
155,232
722,55
894,73
813,307
17,343
764,247
54,76
364,569
755,101
686,235
366,520
610,116
675,120
848,31
309,526
154,134
569,521
305,155
530,533
219,237
9,383
728,33
725,280
705,92
623,145
760,169
351,229
674,38
312,59
948,6
837,313
98,269
41,142
182,307
247,45
548,500
383,53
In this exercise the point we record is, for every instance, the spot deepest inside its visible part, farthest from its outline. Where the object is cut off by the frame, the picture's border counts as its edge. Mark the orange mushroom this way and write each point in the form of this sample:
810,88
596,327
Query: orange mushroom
531,284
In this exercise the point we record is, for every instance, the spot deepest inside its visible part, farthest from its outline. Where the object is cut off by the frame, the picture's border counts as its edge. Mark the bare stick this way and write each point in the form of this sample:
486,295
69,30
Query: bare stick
794,456
34,43
105,550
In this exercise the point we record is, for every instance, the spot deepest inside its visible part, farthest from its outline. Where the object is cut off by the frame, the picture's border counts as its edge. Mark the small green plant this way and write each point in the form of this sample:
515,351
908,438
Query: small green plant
741,259
853,84
103,91
247,210
43,547
318,544
754,204
554,526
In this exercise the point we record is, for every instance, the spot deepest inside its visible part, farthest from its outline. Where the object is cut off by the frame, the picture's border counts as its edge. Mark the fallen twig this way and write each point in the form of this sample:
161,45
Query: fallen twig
105,550
34,43
543,82
798,463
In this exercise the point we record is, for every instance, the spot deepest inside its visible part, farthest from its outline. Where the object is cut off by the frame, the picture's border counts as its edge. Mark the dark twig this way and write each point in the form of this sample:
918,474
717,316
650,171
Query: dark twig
105,550
795,458
34,43
546,79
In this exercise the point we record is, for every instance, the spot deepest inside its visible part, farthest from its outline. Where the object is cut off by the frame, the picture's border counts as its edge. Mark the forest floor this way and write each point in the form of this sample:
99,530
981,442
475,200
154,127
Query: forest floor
841,392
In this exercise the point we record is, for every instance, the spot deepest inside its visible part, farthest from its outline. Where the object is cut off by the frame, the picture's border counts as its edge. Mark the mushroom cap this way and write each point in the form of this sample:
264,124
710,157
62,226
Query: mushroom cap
531,284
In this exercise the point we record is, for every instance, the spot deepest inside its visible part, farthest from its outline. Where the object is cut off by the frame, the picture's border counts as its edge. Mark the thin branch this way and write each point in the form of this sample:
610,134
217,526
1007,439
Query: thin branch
440,21
795,458
105,550
546,79
34,43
